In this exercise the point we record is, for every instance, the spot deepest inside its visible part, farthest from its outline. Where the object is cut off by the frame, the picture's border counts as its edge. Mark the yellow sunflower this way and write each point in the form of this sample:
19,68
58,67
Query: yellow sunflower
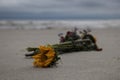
45,57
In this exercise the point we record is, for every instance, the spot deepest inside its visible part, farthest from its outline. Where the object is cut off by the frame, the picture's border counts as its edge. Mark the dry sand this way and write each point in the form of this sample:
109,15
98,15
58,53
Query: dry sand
104,65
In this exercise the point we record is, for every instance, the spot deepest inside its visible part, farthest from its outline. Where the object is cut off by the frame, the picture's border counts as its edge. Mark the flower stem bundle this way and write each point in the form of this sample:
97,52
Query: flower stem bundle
46,56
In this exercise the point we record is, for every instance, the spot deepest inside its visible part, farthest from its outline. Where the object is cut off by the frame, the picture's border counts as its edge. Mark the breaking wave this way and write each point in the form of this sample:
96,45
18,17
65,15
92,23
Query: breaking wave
38,24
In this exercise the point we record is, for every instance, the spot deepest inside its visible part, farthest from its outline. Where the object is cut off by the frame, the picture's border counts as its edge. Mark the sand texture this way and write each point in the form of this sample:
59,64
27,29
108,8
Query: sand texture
93,65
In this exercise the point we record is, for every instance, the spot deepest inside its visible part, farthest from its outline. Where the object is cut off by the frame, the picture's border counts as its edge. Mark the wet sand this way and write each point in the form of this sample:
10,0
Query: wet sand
93,65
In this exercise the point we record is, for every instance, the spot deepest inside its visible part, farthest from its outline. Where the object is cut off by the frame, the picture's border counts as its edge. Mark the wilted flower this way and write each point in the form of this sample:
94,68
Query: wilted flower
46,57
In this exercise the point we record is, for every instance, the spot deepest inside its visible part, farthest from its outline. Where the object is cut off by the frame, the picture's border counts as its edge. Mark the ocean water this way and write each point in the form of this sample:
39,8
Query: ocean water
50,24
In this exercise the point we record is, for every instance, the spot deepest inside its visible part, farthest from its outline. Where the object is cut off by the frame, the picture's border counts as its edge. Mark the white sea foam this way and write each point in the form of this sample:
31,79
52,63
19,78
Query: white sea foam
49,24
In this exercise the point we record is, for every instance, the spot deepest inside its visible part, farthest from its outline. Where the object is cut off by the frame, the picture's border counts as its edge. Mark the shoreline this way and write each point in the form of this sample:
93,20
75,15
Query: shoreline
59,24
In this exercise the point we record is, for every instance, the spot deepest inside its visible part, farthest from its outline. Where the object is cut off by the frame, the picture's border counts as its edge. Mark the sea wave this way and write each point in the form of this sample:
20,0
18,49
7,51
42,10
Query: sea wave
49,24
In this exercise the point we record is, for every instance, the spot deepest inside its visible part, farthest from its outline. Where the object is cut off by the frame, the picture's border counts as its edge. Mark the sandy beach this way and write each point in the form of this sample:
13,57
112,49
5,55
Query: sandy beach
93,65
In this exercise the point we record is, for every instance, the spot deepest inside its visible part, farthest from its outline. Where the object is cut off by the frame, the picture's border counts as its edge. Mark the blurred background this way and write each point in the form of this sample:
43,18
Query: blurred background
53,10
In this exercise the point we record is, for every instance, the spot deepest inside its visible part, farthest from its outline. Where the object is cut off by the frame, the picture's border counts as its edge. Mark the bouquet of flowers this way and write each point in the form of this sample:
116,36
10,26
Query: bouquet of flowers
47,56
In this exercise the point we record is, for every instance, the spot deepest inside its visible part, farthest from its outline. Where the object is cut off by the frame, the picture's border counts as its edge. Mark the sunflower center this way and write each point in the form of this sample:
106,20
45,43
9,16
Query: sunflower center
44,57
